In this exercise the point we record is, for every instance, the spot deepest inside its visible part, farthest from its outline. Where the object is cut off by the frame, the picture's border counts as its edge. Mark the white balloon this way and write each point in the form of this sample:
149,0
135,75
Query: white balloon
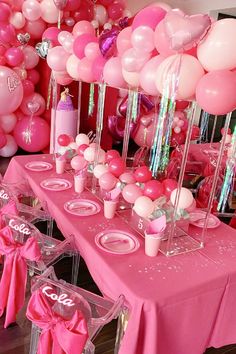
10,148
72,66
82,139
99,170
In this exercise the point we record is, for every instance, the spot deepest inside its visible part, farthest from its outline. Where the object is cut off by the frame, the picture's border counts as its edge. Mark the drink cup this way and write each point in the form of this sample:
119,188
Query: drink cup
152,243
60,165
79,183
110,208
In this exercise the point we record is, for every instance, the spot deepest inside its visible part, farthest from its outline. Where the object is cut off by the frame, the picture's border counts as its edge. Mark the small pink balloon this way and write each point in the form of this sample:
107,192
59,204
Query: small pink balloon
57,58
8,122
17,20
142,174
131,192
99,170
112,154
127,177
52,33
81,42
60,4
35,28
83,27
107,181
143,206
14,56
33,76
142,39
7,33
78,163
123,41
97,68
153,189
31,57
115,11
116,166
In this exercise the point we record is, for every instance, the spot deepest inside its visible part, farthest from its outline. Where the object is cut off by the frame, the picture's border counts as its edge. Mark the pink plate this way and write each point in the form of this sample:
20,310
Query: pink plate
82,207
56,184
197,218
117,242
38,166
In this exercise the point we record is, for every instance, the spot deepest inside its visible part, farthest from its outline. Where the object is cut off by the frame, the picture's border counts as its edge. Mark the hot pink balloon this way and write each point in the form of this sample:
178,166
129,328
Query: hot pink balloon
153,189
83,27
123,41
147,75
11,90
168,186
7,33
3,140
92,51
149,16
112,73
112,154
97,67
107,181
28,87
33,75
8,122
14,56
57,58
81,42
72,5
215,92
142,174
5,12
32,135
116,166
131,192
127,177
52,33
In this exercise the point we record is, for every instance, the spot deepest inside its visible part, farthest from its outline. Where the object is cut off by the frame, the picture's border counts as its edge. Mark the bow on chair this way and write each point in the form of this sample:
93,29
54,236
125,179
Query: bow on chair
58,335
9,208
14,276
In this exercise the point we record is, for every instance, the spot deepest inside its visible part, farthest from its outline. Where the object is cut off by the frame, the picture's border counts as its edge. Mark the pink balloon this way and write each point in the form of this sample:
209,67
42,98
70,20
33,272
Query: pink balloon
133,60
144,134
153,189
215,92
57,58
143,206
33,76
66,40
116,166
5,12
17,20
78,163
187,84
49,11
35,28
100,14
60,4
127,177
10,148
115,11
72,66
112,73
31,10
142,39
7,33
147,75
72,5
149,16
192,207
142,174
92,51
3,140
81,149
33,103
11,90
169,185
85,70
123,41
52,33
14,56
99,170
112,154
62,78
8,122
107,181
28,87
161,41
97,67
185,198
32,135
131,192
83,27
31,57
81,42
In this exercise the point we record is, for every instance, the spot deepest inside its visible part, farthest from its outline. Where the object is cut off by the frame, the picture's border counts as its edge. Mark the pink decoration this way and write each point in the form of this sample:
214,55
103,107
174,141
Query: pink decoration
143,206
169,185
51,34
142,174
112,154
116,166
185,198
63,140
11,90
10,148
99,170
107,181
81,42
131,192
78,163
57,58
147,76
127,177
149,16
153,189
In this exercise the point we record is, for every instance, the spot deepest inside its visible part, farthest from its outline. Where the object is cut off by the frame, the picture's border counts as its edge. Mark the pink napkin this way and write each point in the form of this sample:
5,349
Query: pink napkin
14,276
58,335
157,226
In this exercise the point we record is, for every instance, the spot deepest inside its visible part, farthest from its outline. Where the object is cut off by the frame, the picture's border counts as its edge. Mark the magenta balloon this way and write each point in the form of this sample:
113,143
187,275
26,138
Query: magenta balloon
107,181
34,100
39,134
215,92
51,33
105,2
112,154
127,177
78,163
133,60
116,166
7,33
57,58
14,56
153,189
149,16
81,42
31,10
123,41
131,192
147,75
85,11
11,90
5,12
72,5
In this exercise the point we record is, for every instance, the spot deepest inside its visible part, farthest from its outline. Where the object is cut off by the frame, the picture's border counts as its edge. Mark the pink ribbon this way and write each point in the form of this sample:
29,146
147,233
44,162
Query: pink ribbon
58,335
9,208
14,276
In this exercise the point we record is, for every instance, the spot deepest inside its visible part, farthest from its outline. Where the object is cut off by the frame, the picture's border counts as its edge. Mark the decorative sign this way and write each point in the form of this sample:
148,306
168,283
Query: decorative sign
62,299
21,228
3,195
12,83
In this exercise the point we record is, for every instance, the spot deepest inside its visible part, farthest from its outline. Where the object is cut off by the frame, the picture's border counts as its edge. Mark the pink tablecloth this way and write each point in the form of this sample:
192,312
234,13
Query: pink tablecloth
178,305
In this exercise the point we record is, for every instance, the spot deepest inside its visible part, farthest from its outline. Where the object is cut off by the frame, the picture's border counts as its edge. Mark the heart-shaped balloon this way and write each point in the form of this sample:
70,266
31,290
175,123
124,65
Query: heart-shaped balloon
60,4
107,42
33,106
183,31
146,120
43,47
116,127
23,38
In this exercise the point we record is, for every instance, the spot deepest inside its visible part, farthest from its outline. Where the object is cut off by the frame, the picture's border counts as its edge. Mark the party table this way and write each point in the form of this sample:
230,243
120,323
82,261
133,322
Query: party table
178,305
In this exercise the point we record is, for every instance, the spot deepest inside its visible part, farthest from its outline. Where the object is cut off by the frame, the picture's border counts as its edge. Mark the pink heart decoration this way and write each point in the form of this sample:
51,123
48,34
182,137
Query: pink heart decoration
185,32
33,107
60,4
12,82
146,120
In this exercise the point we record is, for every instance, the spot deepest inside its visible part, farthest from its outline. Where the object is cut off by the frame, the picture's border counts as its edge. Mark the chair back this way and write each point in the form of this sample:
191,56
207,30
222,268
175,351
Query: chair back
6,195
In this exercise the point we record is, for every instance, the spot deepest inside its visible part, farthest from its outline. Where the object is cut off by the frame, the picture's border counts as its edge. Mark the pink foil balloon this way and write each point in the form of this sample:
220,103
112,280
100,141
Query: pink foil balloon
107,181
8,122
149,16
116,166
147,75
14,56
17,20
11,90
49,11
142,174
131,192
52,33
5,12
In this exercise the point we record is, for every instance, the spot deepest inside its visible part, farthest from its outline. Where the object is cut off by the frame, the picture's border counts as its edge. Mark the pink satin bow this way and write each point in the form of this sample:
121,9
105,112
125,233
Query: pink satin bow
14,276
9,208
58,335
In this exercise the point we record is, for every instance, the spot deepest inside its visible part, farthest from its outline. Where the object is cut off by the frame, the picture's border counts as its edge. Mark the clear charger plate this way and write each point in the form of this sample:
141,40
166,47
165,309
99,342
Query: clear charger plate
56,184
82,207
197,218
38,166
117,242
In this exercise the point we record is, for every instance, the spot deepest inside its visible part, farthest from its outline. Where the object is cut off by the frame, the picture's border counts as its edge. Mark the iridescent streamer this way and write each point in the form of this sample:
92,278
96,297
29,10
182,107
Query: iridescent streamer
79,105
135,106
53,84
91,100
131,107
229,174
204,126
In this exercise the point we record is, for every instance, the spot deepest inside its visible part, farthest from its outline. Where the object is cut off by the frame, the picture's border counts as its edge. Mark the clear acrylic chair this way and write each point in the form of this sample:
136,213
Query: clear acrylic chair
27,204
23,245
53,308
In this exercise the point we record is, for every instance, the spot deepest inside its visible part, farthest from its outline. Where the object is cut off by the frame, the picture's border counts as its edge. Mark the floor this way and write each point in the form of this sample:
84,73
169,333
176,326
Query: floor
16,338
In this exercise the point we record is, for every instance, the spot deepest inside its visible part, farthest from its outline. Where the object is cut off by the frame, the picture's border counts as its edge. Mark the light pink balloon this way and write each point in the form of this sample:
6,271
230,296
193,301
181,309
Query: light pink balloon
92,51
17,19
162,5
31,10
131,192
187,83
112,73
133,60
217,51
52,33
83,27
66,40
49,11
123,41
62,77
34,103
127,177
78,163
131,78
99,170
149,16
161,41
57,58
35,28
107,181
143,206
72,66
185,198
11,90
10,148
85,70
8,122
31,57
100,14
82,139
148,75
97,67
81,42
142,39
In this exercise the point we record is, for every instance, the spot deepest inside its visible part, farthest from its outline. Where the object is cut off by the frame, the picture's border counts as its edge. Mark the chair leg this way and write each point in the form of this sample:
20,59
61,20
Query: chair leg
89,348
50,227
35,333
75,268
122,323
